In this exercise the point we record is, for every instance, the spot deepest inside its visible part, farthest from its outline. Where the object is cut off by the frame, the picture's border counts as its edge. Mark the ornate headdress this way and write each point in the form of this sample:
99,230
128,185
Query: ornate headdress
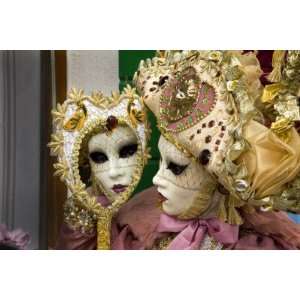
206,103
76,121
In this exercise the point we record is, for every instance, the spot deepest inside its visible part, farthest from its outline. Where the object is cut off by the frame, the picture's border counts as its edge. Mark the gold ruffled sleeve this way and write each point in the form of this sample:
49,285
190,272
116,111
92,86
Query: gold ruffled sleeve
270,162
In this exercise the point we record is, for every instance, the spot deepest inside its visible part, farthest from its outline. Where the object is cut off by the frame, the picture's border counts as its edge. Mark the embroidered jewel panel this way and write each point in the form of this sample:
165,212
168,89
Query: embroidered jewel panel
185,101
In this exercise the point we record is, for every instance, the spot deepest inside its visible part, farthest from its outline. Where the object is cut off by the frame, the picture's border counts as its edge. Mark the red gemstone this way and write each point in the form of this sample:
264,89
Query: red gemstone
111,122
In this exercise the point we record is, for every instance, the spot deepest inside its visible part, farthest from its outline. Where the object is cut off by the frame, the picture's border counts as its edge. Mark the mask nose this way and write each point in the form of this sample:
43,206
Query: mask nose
115,170
156,179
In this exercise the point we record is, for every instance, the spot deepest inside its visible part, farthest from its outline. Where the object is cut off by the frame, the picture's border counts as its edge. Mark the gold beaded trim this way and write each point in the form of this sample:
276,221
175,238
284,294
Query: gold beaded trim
208,243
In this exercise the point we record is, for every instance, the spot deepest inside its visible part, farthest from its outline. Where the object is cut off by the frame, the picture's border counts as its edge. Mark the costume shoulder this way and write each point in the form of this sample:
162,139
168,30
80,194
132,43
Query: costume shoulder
139,218
274,225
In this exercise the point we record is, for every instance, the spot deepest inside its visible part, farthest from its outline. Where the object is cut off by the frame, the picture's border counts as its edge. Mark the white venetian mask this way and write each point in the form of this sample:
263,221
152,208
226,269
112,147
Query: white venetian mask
180,180
113,159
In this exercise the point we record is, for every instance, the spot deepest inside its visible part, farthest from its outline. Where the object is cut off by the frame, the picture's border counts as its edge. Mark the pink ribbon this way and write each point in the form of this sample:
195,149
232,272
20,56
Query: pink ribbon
192,232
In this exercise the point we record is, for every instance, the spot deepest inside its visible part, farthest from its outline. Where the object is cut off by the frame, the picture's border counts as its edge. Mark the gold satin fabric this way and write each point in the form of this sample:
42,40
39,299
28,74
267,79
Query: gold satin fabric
270,162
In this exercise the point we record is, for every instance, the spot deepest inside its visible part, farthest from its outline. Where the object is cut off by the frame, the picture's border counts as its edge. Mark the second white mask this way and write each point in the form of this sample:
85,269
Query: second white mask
180,180
113,159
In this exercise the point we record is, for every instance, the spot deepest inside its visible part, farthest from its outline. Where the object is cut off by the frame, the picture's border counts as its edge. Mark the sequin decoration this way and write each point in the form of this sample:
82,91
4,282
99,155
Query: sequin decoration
208,139
211,123
204,157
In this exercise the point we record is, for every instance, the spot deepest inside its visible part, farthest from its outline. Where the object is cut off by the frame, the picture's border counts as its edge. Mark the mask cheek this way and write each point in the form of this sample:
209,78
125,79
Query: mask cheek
100,173
128,162
192,178
179,199
128,166
128,174
121,174
101,176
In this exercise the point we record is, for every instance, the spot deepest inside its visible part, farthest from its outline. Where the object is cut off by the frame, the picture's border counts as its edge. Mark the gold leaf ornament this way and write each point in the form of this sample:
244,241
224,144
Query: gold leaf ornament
282,128
57,141
58,114
61,170
271,91
98,99
76,96
76,122
130,92
136,116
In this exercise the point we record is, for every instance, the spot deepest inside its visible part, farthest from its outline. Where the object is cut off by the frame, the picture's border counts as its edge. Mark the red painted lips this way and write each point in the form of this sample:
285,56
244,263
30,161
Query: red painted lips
161,198
119,188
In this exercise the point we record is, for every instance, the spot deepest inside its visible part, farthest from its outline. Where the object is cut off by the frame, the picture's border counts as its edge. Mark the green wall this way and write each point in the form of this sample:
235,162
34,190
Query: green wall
128,64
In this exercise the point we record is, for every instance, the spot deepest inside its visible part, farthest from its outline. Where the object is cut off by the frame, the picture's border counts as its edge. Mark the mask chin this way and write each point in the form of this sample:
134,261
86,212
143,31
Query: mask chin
200,204
185,203
114,187
179,201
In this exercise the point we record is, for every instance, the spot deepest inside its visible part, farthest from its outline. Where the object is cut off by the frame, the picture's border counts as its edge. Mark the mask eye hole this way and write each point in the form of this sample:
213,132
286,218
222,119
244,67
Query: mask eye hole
128,150
163,80
176,169
98,157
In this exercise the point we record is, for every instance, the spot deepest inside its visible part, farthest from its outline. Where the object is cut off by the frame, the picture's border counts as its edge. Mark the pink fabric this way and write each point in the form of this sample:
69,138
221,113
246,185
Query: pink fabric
139,225
72,239
255,241
192,232
271,230
103,201
138,220
16,238
135,225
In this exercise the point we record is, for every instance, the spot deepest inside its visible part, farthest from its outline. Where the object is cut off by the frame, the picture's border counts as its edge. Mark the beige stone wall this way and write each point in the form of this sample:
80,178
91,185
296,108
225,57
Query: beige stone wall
93,69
